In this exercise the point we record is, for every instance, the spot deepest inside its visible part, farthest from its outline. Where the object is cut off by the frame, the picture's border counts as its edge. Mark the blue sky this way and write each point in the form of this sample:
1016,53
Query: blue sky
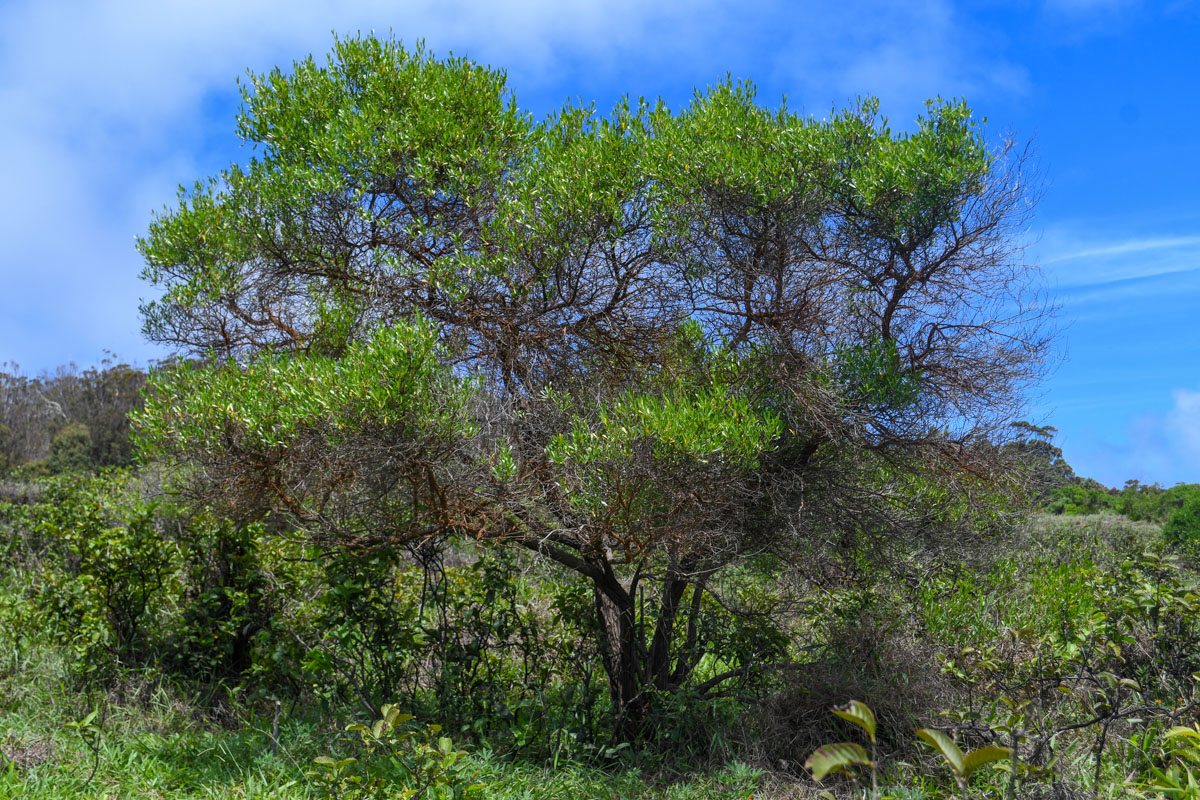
109,105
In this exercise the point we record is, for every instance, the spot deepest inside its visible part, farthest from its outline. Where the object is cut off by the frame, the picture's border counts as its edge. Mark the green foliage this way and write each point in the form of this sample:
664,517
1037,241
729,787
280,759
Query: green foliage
836,758
395,380
32,471
697,425
90,733
131,580
415,762
860,714
961,764
1183,526
110,567
1176,775
1064,633
220,629
71,450
328,130
874,374
840,757
1078,500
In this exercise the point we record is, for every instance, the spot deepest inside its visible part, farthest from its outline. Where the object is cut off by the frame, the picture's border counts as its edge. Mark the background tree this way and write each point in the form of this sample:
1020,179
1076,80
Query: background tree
71,449
5,444
646,346
1046,470
37,410
101,398
1183,524
28,415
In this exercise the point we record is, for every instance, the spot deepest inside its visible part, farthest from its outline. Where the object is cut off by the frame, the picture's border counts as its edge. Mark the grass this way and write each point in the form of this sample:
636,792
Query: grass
158,742
154,744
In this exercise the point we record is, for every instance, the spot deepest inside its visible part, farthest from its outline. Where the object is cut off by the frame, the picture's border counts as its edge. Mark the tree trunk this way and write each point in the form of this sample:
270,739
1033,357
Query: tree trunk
637,668
622,662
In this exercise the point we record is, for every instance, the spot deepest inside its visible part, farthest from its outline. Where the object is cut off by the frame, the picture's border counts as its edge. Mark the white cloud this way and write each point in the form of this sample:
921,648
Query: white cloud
1152,447
1078,260
1182,426
904,53
105,108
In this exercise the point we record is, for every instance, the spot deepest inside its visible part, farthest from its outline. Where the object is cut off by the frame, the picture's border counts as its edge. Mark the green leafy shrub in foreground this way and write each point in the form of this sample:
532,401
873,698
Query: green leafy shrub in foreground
127,577
107,568
400,759
842,756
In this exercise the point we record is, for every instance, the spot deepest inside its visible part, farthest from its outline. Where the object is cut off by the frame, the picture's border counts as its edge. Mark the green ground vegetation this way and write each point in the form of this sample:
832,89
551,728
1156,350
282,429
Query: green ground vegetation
149,652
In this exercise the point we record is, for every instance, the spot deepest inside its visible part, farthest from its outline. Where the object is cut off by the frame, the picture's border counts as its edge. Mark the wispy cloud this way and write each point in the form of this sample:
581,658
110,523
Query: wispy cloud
905,53
1075,260
1131,246
1151,447
1182,425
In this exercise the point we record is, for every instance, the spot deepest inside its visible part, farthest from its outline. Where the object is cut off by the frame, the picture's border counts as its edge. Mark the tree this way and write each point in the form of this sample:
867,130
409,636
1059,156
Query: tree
1047,471
1183,524
29,416
5,444
71,450
37,410
100,398
646,346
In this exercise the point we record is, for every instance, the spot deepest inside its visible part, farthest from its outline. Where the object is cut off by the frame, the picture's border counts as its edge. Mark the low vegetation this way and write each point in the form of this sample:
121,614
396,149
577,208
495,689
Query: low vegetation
150,651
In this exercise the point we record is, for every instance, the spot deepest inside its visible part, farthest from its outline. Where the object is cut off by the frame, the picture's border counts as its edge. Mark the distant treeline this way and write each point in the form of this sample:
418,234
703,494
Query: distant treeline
68,420
1058,490
1136,501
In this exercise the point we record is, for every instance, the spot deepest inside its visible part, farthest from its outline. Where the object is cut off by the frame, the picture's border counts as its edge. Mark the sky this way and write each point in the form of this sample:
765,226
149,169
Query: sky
109,106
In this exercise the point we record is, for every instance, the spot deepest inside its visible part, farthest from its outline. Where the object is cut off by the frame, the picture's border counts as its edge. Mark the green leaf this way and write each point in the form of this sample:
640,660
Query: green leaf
946,746
985,755
1179,731
836,758
860,714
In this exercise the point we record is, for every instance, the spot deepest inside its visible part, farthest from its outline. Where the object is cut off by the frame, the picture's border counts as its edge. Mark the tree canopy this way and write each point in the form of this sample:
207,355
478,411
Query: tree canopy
646,346
35,412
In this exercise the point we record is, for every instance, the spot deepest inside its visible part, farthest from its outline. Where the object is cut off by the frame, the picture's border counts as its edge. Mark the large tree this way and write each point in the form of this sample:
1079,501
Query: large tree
645,346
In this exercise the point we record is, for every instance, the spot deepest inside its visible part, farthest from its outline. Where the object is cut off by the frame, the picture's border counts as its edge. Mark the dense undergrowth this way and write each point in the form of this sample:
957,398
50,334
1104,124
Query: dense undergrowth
148,650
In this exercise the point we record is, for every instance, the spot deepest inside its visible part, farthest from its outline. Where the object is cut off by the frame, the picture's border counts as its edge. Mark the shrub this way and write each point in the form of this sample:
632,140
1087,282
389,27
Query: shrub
71,450
108,568
1183,526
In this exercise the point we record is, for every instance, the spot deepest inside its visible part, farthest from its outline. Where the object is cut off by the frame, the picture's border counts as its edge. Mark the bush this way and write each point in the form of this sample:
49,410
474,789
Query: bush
225,604
130,578
1183,526
71,450
399,759
108,567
